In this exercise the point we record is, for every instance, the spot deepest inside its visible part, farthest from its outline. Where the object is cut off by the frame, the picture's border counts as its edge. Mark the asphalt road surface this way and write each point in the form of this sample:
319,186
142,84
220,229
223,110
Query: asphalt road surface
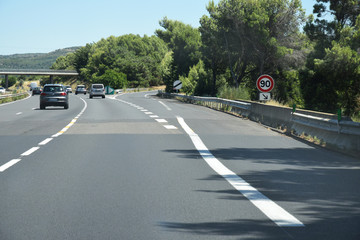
136,166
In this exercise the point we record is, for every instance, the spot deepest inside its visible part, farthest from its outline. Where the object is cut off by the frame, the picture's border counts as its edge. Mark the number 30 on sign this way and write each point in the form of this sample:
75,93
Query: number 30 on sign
265,83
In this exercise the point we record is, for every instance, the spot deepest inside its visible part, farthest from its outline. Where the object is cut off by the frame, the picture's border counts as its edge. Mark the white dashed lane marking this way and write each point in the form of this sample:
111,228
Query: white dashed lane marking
44,142
150,114
170,127
161,120
30,151
9,164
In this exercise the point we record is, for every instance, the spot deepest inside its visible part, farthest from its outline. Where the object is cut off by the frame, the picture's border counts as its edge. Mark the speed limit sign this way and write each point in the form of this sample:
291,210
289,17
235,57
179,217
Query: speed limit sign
265,83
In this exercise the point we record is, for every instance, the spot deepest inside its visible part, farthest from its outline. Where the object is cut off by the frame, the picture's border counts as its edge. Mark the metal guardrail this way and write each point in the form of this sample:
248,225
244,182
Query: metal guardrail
331,125
344,134
12,95
218,103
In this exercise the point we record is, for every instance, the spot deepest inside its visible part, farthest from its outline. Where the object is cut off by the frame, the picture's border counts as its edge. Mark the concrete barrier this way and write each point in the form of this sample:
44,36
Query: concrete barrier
343,135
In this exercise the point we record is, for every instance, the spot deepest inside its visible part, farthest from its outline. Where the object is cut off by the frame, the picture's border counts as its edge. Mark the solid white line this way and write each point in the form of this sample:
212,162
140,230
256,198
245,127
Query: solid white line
30,151
273,211
18,113
46,141
161,120
169,109
9,164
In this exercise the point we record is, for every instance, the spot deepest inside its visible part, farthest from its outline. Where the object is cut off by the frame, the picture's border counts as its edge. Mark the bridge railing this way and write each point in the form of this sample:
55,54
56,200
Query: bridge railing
38,72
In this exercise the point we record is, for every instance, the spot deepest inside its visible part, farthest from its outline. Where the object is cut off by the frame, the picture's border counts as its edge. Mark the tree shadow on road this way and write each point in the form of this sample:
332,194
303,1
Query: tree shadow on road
319,186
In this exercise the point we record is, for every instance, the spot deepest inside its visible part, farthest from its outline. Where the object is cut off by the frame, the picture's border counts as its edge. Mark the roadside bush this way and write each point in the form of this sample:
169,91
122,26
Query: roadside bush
234,93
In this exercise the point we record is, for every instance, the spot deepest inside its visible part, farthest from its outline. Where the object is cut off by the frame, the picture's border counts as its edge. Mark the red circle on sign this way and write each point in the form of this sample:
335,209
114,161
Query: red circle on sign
265,83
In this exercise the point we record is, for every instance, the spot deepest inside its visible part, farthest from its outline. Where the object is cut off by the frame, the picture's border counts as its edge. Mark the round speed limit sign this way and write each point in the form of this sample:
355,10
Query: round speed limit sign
265,83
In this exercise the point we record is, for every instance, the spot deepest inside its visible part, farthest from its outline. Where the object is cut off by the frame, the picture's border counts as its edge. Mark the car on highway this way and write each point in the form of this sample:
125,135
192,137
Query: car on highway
97,90
33,85
36,90
80,89
2,90
54,95
68,89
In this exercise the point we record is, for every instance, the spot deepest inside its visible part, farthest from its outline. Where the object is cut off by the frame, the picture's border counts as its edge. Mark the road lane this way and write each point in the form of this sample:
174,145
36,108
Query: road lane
20,132
298,176
318,186
117,173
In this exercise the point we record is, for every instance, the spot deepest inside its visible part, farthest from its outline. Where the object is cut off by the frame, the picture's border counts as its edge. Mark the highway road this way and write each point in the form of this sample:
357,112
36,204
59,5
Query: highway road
134,166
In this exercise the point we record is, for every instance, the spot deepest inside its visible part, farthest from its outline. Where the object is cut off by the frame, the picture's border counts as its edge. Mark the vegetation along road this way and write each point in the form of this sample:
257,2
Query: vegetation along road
134,166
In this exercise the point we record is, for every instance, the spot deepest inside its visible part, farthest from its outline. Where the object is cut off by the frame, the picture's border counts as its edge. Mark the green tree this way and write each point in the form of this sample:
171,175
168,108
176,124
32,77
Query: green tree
112,78
141,59
343,58
197,80
254,37
185,43
212,48
330,79
11,81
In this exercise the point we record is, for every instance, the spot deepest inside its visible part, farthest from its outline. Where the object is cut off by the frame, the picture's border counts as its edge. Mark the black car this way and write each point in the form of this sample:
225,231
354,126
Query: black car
54,95
36,90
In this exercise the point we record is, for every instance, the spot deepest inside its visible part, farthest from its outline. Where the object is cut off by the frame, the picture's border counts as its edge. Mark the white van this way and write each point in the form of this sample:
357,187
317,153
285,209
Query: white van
33,85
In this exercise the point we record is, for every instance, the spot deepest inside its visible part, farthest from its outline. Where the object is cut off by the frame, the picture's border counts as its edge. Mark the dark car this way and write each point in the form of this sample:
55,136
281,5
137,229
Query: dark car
36,90
80,89
54,95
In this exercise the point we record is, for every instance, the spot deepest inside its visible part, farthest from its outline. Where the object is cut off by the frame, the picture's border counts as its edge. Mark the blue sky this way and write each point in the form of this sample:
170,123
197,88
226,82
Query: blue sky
41,26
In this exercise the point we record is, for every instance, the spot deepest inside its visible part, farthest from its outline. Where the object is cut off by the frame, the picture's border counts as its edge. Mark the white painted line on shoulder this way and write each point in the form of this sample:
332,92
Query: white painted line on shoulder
273,211
167,107
30,151
9,164
19,113
161,120
46,141
170,127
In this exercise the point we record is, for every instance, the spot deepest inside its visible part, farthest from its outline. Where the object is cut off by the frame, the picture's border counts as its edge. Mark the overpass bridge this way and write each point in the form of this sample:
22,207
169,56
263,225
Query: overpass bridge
39,72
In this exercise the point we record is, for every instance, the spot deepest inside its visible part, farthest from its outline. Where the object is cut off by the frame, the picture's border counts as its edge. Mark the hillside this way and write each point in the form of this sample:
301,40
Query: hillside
33,60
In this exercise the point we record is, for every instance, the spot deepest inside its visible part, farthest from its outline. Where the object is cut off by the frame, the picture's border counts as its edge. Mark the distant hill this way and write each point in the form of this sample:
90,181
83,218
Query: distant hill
33,60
